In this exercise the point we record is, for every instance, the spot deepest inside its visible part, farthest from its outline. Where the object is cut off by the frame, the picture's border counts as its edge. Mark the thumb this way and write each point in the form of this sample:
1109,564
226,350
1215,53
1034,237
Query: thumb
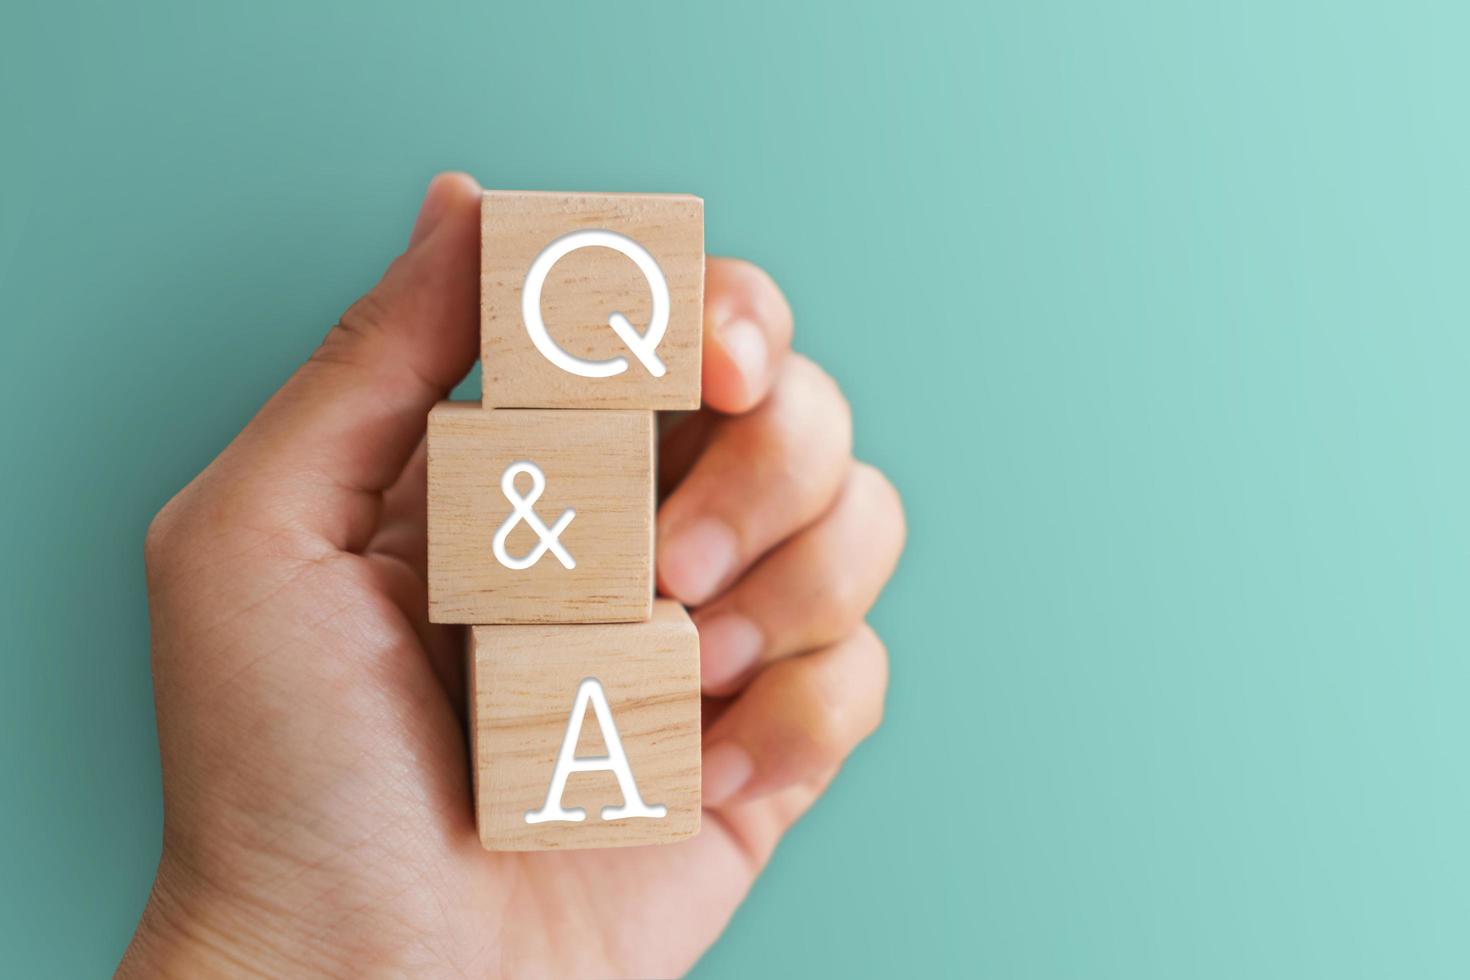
325,446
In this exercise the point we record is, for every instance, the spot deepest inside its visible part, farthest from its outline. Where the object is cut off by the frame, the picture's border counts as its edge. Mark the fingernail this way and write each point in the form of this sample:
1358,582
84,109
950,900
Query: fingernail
728,645
745,344
695,560
431,210
727,768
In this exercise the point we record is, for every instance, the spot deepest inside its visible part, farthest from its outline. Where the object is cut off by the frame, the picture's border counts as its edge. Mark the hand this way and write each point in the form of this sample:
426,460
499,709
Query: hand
317,815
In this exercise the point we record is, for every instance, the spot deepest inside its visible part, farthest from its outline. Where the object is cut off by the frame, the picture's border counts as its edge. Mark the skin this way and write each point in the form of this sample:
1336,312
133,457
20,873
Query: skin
317,816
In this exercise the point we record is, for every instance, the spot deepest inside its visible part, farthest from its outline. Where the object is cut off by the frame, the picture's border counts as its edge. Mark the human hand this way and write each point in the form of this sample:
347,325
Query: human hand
317,809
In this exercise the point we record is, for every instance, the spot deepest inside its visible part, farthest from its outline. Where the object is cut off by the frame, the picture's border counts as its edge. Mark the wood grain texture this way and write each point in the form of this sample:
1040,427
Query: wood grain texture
599,464
582,290
522,684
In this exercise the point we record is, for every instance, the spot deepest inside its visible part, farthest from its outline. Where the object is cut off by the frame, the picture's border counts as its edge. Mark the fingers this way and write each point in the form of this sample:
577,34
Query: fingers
798,720
747,328
747,331
757,825
340,430
809,592
762,476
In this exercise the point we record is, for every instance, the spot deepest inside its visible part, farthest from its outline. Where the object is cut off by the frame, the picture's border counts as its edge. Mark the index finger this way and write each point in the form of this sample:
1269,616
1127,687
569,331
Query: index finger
747,331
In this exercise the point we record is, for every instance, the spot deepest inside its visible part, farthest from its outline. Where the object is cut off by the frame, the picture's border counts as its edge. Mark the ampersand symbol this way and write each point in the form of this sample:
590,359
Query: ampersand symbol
522,509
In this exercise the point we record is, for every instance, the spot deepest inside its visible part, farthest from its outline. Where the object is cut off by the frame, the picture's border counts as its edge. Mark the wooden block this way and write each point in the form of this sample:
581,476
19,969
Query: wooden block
535,715
609,269
516,496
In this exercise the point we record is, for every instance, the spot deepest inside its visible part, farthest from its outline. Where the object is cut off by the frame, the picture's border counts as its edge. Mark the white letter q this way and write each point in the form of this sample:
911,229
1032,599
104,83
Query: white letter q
642,345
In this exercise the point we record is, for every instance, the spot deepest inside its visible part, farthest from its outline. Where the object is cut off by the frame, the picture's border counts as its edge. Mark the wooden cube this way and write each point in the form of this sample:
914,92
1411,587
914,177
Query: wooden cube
591,300
586,736
539,516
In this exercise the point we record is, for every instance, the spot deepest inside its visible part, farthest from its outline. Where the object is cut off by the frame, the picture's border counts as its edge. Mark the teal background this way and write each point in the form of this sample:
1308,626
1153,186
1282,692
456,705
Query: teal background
1157,312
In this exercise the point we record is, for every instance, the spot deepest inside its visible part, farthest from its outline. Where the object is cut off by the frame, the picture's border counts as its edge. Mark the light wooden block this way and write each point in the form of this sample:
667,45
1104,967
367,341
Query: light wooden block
583,289
523,685
598,465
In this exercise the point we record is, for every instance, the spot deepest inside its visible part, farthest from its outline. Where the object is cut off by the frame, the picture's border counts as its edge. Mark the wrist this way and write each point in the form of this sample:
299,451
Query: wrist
177,936
195,929
188,930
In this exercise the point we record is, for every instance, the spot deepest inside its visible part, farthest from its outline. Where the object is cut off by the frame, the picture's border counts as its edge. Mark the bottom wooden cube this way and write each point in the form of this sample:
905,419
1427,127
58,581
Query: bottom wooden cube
586,735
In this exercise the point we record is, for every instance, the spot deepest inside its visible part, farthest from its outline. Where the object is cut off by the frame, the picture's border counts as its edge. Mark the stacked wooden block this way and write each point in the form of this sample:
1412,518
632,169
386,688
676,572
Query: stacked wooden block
583,688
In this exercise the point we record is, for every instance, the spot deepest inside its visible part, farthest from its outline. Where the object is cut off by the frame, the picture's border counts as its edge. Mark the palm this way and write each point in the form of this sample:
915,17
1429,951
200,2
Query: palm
386,707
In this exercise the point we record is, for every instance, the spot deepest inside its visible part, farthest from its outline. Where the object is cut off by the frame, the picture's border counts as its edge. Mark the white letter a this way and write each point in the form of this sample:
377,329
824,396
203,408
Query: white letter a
616,761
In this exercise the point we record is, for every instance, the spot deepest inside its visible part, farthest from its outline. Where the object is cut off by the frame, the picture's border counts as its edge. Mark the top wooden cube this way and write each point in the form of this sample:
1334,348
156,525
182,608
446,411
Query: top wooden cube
591,300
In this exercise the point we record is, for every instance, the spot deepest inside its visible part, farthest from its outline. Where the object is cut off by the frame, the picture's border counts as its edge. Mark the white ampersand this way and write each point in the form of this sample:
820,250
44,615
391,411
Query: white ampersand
643,345
522,510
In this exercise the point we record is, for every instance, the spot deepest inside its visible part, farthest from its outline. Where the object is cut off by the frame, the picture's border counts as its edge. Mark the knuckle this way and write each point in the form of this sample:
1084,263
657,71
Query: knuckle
875,653
862,539
367,314
361,322
836,697
834,404
834,691
848,695
828,729
846,600
179,523
158,540
809,428
819,385
761,291
743,270
339,346
206,518
887,501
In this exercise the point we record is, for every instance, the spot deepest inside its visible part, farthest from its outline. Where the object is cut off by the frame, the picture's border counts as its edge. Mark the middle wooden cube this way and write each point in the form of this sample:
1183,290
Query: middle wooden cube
539,515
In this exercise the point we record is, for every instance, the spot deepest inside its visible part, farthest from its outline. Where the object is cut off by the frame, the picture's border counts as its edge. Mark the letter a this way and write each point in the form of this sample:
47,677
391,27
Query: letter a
616,762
